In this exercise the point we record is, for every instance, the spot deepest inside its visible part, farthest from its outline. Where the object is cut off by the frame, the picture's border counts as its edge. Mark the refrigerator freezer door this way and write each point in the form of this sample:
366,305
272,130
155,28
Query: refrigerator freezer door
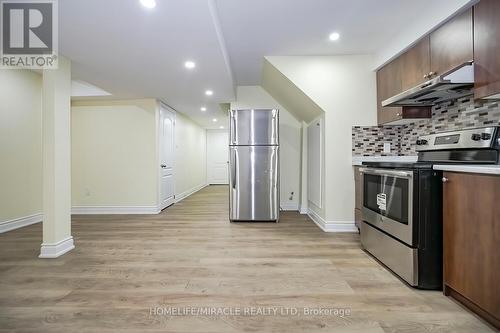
254,127
254,183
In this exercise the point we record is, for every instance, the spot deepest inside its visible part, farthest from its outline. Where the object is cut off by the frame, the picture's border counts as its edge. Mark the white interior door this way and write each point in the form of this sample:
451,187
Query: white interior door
314,163
167,157
217,157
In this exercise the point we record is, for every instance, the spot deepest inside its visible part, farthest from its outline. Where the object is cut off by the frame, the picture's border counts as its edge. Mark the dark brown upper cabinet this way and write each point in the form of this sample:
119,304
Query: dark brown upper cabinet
416,64
388,85
452,44
443,50
487,49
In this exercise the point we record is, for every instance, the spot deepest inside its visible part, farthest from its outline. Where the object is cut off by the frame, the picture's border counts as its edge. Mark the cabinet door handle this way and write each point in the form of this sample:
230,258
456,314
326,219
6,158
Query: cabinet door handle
445,180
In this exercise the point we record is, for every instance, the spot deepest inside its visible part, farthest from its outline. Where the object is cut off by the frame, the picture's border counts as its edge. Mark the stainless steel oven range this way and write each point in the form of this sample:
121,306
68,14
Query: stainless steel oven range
402,203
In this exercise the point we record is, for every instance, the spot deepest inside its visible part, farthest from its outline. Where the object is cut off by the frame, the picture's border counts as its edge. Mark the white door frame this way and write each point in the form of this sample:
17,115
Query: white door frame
164,106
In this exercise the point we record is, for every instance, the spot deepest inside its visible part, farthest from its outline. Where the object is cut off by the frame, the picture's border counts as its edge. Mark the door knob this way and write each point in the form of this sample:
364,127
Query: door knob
445,180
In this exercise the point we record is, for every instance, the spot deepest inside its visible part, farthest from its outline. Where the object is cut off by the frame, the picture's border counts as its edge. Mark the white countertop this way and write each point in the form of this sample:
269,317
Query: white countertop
358,160
486,169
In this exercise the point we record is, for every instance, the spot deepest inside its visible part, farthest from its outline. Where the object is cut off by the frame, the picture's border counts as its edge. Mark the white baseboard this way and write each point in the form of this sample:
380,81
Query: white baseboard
332,226
185,194
130,210
113,210
20,222
289,206
51,251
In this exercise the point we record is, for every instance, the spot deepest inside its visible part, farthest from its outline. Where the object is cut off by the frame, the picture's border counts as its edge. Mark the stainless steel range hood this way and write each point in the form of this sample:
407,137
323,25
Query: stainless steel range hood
455,84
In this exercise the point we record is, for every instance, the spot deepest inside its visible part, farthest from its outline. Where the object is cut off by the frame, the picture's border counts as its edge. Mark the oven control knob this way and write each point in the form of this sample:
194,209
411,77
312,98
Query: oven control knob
486,136
421,142
476,137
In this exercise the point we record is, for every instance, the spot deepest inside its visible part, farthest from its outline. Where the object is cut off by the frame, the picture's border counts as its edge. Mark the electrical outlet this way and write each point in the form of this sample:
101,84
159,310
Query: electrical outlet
291,196
387,147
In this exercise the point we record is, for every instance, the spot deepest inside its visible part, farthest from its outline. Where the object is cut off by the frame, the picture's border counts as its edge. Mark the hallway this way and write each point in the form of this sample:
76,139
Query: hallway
125,267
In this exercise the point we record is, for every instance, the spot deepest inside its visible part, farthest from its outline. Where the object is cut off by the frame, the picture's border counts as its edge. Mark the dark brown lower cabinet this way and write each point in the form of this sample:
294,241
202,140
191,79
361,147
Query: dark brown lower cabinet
358,180
471,242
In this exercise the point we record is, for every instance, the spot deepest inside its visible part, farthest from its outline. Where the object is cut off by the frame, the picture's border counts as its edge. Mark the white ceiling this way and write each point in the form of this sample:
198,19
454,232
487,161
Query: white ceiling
133,52
256,28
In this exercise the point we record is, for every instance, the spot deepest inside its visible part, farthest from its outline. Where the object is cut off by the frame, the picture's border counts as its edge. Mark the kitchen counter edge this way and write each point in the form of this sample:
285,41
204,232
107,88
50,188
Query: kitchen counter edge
358,160
483,169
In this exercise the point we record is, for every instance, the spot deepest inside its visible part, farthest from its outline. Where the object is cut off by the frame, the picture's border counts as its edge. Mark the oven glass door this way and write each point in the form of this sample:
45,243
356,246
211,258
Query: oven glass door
388,201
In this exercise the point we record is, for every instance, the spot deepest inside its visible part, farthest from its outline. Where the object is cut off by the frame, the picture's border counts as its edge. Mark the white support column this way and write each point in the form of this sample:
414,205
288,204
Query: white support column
56,137
303,179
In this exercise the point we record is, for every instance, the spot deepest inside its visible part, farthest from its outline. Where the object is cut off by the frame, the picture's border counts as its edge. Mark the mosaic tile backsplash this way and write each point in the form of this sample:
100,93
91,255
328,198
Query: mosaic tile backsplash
450,116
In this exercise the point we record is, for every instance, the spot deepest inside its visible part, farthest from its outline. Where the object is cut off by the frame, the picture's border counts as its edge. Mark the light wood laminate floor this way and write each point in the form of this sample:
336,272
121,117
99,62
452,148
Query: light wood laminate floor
124,267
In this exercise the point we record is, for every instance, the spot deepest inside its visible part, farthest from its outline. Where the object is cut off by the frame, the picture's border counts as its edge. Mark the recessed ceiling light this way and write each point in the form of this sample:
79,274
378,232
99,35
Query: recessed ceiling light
214,120
209,92
334,36
203,109
222,127
150,4
190,64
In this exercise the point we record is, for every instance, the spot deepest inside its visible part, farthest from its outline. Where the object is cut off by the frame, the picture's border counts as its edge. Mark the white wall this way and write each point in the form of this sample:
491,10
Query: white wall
20,144
345,88
190,154
290,141
114,153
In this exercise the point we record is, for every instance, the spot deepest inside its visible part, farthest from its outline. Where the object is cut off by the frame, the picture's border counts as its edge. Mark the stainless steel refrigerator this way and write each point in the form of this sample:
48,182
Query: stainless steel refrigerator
254,165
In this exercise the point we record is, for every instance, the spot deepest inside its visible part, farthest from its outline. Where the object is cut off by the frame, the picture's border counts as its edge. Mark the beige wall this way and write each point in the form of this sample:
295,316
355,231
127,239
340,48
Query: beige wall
190,155
344,87
286,93
114,153
290,141
114,150
20,144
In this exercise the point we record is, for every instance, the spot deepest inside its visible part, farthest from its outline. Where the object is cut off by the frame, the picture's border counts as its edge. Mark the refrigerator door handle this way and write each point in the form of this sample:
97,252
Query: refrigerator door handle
274,129
276,164
234,168
234,131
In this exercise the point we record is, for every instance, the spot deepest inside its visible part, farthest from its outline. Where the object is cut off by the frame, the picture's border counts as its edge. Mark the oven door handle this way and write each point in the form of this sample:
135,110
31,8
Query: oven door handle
386,172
